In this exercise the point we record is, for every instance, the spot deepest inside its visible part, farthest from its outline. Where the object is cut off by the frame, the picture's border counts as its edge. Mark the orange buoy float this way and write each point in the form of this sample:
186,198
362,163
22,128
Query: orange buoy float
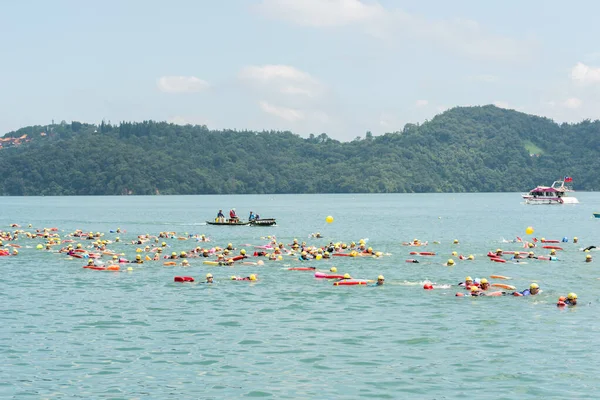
183,279
552,247
349,283
499,277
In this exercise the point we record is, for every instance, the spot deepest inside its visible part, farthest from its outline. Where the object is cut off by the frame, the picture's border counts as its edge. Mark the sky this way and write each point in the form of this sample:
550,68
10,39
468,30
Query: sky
341,67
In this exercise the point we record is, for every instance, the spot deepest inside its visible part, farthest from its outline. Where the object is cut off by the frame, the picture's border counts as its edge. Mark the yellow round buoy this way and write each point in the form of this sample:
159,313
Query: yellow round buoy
529,230
329,219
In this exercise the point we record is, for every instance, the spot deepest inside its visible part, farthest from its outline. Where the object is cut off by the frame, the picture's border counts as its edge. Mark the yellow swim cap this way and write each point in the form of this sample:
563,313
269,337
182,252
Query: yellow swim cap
233,278
531,253
304,253
183,253
450,261
534,286
575,238
380,278
333,269
243,252
138,257
454,253
252,277
474,288
455,241
516,253
163,244
571,296
483,280
588,256
346,276
173,253
209,275
468,278
471,257
498,250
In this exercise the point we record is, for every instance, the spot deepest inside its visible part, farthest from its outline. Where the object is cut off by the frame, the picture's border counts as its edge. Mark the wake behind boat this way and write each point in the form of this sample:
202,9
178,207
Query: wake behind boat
558,193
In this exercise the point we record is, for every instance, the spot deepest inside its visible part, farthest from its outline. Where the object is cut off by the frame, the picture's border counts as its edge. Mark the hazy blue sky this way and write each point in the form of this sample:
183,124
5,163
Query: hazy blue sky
335,66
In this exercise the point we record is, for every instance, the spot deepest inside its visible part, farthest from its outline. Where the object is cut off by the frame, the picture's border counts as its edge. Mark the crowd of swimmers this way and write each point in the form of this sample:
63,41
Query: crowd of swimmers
155,248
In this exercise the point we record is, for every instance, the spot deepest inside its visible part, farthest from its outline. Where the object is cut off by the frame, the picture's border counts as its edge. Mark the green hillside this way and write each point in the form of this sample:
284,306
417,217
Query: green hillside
466,149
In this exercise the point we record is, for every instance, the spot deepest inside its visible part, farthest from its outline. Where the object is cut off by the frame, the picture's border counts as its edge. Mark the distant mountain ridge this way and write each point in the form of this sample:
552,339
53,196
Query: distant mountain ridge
465,149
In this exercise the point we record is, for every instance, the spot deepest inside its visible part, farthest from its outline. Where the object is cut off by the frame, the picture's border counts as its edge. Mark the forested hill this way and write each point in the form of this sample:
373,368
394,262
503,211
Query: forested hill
467,149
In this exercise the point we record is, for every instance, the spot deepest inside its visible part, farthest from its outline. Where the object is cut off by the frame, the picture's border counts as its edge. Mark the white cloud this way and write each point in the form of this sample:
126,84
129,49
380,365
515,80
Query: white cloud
585,74
322,13
465,36
181,84
573,103
421,103
289,114
283,79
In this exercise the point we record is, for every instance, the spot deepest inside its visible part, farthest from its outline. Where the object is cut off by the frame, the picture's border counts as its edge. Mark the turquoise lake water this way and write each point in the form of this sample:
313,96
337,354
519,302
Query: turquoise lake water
69,332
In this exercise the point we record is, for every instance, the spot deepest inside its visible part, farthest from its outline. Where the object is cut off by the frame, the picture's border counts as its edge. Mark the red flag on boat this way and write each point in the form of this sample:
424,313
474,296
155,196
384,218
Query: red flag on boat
568,179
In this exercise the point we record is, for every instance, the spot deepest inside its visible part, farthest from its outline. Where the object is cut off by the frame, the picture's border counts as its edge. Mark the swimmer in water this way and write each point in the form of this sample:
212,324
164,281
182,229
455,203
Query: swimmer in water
209,278
468,282
380,280
484,284
570,300
534,289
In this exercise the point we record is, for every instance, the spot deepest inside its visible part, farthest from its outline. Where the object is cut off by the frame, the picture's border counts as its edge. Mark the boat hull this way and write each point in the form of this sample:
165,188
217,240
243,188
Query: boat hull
550,200
227,223
263,222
